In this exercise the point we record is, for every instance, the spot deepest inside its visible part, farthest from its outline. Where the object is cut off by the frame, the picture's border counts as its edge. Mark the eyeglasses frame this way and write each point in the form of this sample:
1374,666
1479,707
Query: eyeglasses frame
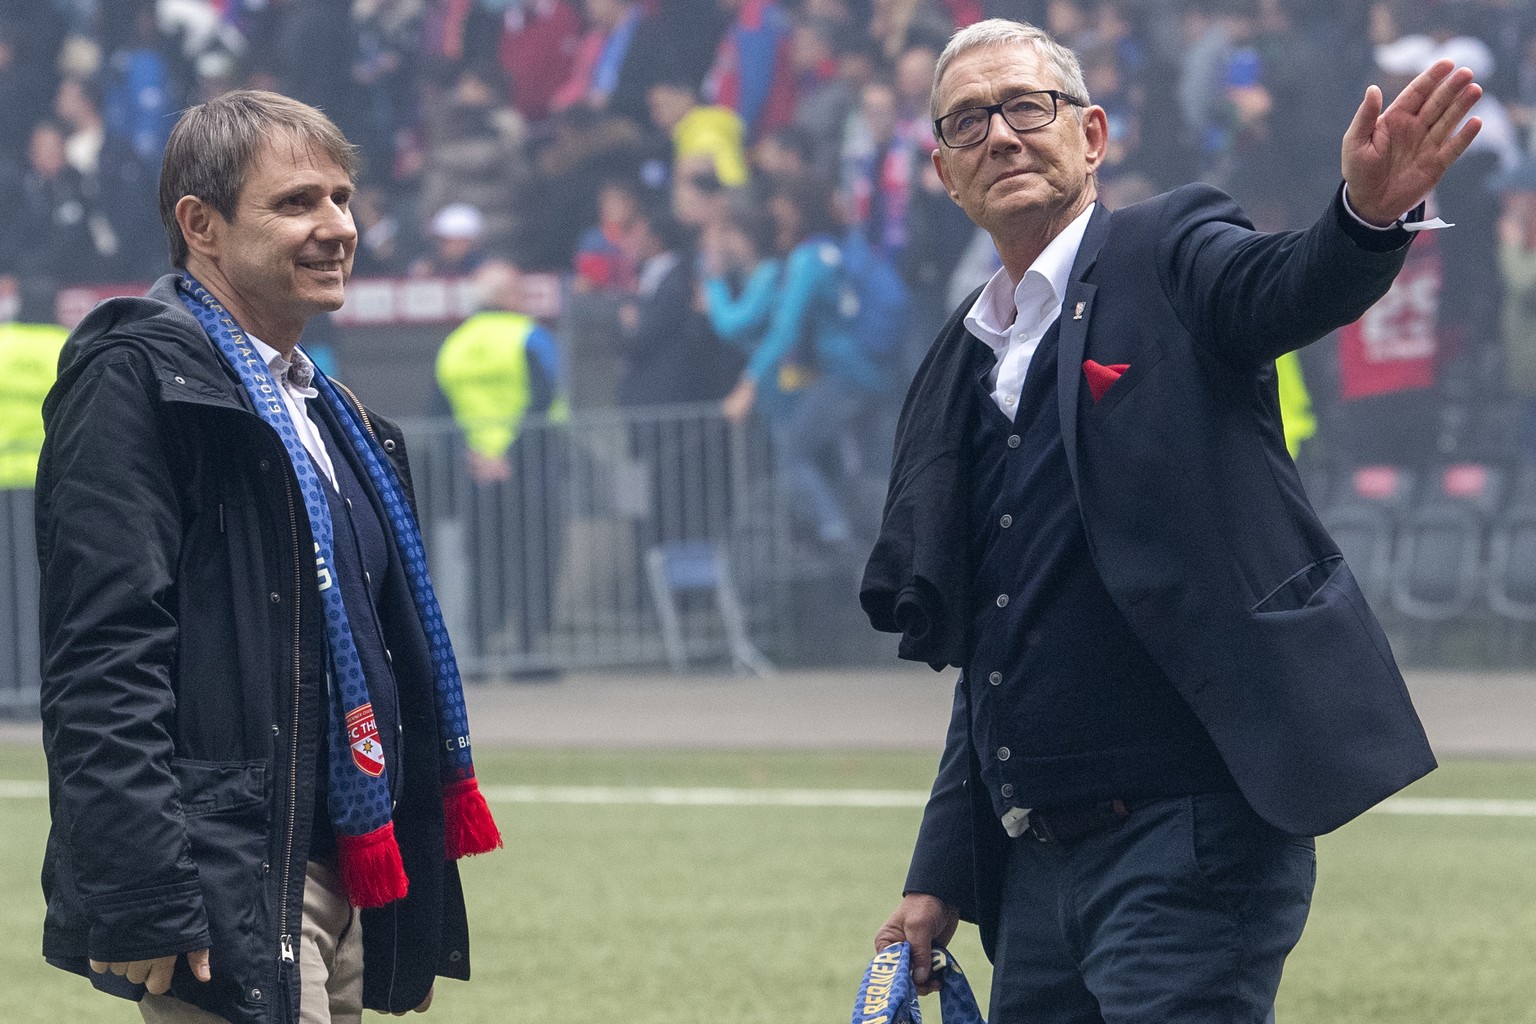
1057,98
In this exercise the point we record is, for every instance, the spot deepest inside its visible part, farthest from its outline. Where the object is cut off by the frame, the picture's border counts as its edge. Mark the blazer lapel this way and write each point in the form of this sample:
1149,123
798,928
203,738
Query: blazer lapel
1076,311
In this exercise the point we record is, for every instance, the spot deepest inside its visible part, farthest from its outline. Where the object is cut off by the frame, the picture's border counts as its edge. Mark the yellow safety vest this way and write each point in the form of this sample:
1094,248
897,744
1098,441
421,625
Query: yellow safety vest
483,371
29,364
1295,404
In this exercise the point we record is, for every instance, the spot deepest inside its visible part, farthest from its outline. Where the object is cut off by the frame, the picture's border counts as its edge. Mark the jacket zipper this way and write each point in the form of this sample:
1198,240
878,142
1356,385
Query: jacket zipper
285,937
367,423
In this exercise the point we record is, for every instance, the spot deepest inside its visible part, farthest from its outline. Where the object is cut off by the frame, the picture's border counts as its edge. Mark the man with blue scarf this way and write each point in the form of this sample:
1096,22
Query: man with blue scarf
259,759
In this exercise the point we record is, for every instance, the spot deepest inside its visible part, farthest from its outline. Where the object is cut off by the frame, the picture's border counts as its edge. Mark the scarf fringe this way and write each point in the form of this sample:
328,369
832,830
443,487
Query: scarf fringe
371,869
468,827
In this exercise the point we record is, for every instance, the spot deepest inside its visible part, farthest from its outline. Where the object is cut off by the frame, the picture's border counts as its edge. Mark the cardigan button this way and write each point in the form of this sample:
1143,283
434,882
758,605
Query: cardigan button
1014,440
996,678
1002,600
1005,522
1003,753
1006,789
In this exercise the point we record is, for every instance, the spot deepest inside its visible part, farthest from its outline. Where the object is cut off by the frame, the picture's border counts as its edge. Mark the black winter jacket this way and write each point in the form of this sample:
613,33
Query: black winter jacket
183,693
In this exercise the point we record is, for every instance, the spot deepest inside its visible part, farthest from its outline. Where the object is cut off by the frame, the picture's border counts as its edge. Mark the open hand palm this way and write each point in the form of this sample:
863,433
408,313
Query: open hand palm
1392,158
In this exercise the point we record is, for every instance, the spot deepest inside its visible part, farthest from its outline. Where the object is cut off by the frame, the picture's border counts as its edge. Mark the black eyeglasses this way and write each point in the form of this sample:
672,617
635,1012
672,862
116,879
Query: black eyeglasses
969,126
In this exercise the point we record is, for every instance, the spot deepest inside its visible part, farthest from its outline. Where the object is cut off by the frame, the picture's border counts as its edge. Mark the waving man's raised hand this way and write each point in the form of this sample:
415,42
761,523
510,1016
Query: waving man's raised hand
1393,157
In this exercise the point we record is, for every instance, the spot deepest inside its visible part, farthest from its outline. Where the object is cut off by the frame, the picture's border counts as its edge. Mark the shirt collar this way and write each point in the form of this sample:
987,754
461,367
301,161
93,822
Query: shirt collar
996,310
298,371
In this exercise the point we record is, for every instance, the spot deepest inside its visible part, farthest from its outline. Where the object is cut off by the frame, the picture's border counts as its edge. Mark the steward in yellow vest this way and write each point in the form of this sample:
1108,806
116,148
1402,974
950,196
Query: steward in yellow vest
498,367
495,370
1295,403
29,361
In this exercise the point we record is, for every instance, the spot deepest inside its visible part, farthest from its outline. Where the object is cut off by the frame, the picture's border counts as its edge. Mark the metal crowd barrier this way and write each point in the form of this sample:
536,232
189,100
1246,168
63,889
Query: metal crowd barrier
567,564
628,538
631,538
18,604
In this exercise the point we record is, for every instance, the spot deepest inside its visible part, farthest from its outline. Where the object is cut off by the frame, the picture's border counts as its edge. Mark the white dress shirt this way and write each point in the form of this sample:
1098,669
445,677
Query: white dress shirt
296,377
1012,319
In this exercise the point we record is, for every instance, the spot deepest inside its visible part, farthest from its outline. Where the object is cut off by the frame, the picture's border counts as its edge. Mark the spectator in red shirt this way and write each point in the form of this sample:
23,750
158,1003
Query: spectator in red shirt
539,40
600,58
602,261
754,71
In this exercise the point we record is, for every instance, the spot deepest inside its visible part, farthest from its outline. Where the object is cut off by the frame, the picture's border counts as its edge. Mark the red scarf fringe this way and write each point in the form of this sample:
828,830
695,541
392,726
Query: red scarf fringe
371,869
468,827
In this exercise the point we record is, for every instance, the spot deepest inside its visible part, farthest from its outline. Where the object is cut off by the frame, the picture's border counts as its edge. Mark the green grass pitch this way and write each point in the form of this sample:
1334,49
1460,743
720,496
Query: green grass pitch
696,915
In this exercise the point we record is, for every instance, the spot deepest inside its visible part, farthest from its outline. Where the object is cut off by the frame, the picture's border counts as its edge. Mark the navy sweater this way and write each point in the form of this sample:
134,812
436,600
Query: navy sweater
1067,706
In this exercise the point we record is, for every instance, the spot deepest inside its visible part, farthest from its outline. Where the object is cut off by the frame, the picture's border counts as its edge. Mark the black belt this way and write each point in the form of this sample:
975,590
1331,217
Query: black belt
1062,826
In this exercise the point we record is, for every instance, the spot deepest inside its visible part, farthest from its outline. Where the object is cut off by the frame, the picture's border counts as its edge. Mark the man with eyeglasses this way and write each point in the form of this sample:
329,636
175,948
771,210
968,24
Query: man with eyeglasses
1170,681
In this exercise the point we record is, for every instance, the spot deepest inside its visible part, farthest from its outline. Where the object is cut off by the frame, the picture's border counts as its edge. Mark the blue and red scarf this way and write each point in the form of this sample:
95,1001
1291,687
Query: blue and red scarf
888,995
358,785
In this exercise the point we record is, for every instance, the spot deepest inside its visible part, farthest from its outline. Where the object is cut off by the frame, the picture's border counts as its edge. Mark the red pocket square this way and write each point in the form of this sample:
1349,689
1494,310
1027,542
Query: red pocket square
1101,377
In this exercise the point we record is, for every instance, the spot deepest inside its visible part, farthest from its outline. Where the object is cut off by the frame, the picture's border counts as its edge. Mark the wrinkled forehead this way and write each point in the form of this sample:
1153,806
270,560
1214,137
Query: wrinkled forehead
287,158
988,73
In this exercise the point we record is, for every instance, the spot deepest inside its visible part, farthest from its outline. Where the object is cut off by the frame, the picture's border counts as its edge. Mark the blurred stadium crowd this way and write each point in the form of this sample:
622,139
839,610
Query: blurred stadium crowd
735,202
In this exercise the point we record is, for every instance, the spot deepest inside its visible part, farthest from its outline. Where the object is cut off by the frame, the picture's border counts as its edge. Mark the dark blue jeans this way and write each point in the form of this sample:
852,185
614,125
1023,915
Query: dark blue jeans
808,436
1183,914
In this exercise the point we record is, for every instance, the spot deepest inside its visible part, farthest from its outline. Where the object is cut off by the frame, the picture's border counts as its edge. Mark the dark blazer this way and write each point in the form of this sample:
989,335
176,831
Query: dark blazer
1196,519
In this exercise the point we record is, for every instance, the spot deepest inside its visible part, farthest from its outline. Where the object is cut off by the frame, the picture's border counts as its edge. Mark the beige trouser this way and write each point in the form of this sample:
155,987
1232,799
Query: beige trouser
330,962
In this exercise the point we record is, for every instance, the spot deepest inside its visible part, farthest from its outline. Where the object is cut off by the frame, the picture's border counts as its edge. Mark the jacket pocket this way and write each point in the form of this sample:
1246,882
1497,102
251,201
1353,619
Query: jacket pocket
1248,867
226,808
208,787
1298,591
1138,368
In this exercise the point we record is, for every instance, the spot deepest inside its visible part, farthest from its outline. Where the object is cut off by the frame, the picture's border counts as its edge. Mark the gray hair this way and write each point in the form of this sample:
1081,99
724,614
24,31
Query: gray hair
213,145
1059,60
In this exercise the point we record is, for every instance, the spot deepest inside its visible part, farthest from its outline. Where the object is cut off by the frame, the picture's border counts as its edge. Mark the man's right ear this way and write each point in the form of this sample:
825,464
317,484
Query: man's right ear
938,165
199,223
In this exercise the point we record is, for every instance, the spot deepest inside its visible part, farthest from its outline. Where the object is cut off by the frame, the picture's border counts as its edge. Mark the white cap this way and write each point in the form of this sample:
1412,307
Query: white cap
1406,56
458,220
1468,52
